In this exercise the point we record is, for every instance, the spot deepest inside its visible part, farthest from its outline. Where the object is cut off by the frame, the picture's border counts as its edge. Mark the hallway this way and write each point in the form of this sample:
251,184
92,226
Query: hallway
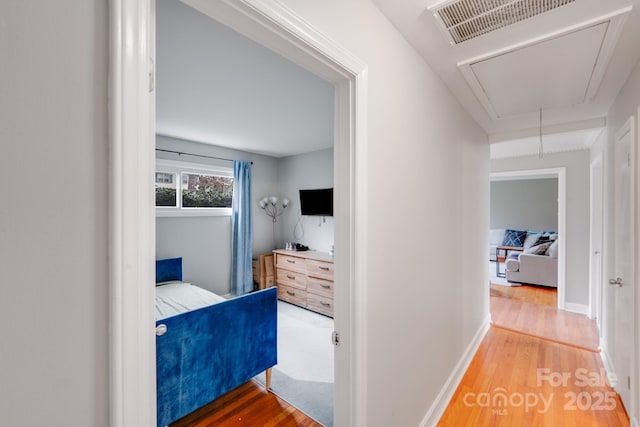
520,379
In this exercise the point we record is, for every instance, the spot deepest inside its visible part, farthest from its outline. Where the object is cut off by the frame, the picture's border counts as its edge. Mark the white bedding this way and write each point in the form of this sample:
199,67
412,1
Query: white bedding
179,297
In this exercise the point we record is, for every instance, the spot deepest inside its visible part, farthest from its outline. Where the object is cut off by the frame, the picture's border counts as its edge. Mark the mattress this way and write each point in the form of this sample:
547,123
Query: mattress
177,297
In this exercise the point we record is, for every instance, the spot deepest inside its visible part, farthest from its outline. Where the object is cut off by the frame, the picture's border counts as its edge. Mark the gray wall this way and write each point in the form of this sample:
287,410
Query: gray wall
53,216
204,243
525,204
577,230
306,171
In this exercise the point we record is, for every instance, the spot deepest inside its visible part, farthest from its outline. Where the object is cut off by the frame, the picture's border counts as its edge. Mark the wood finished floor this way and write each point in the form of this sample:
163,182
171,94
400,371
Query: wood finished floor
507,363
542,295
545,322
506,366
249,405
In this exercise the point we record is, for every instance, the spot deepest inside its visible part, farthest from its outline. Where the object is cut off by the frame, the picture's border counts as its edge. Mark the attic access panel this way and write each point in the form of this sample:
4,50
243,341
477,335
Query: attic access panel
551,74
466,19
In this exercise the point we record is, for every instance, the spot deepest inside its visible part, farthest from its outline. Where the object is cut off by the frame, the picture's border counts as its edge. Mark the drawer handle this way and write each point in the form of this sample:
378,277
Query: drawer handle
325,286
323,268
326,304
293,294
292,261
291,277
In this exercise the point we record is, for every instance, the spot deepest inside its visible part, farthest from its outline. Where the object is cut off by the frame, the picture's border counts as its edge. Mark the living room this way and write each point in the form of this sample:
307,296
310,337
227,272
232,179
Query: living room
548,193
524,214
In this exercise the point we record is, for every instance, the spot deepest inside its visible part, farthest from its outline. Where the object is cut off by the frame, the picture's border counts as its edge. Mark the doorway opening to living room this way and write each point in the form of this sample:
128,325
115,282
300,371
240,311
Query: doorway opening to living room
528,242
527,234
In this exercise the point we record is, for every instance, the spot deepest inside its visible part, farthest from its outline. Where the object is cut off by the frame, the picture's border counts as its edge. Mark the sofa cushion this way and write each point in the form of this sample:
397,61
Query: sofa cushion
553,250
514,238
512,264
496,236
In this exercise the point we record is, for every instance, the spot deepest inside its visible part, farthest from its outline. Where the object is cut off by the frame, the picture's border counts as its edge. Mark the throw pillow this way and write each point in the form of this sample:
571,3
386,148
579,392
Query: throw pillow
541,240
539,249
514,238
553,249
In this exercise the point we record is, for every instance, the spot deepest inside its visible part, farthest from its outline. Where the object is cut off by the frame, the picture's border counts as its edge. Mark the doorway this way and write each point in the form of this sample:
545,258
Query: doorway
560,175
132,359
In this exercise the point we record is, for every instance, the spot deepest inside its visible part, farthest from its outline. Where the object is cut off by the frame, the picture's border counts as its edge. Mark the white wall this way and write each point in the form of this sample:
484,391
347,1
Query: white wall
428,190
525,204
625,106
205,242
577,190
306,171
53,216
428,182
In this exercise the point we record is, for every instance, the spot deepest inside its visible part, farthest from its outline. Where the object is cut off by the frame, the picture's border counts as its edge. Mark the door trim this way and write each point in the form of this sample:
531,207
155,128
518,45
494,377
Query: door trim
131,213
595,283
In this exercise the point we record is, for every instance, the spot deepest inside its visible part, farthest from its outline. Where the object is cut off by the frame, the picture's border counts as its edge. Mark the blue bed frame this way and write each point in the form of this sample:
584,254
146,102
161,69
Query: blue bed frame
208,352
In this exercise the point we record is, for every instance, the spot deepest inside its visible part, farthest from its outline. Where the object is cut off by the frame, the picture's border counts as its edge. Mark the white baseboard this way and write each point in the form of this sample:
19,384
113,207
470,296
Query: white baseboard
446,393
610,369
577,308
607,362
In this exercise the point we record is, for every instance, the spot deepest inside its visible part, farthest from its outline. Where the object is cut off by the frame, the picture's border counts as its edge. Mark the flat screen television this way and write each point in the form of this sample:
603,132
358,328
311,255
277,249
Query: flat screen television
317,202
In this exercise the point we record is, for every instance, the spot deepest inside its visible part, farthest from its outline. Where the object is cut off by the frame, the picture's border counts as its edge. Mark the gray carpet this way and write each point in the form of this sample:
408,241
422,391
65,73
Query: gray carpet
304,374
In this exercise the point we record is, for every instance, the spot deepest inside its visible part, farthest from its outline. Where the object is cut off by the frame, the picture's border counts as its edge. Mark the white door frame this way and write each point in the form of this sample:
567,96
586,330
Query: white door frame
635,368
131,213
560,173
596,175
634,413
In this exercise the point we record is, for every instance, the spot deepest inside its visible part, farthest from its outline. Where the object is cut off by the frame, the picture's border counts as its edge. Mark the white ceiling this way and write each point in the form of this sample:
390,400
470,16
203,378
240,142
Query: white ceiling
571,62
218,87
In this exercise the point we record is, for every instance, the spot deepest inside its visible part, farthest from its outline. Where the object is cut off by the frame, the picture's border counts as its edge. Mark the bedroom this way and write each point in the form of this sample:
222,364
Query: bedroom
203,112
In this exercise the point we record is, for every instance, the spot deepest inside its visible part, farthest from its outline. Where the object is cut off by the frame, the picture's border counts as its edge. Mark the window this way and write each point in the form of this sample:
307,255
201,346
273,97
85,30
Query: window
166,189
203,189
206,191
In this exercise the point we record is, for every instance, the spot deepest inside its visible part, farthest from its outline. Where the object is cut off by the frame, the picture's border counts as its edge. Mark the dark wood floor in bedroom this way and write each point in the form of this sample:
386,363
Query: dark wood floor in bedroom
249,405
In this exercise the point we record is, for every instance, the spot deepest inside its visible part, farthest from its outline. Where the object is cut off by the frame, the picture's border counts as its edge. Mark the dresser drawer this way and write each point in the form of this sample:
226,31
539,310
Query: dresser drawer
321,269
320,287
292,295
291,262
320,304
291,278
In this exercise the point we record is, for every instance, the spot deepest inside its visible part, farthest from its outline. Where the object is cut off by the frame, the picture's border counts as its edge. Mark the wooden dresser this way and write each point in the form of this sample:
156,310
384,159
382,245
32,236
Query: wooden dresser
305,278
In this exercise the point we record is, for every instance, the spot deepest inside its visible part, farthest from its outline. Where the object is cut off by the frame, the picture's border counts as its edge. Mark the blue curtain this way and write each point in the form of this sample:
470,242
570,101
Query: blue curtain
241,230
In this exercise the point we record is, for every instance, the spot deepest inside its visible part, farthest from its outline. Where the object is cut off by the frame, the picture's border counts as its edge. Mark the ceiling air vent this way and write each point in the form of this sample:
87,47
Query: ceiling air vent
466,19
